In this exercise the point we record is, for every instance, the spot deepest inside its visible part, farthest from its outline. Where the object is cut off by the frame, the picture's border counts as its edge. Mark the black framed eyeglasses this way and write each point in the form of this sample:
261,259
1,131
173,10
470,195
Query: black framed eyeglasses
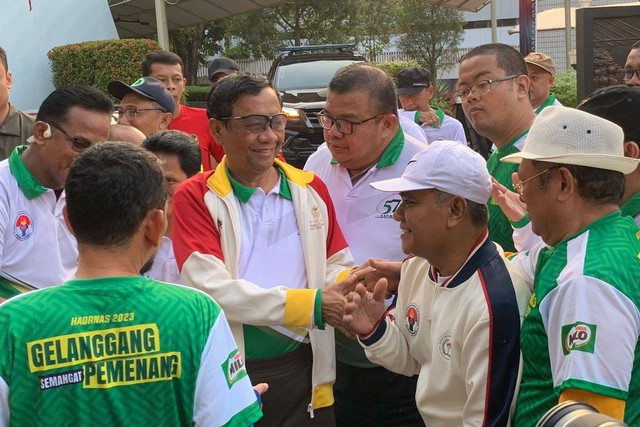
480,88
78,144
627,75
257,123
132,112
344,126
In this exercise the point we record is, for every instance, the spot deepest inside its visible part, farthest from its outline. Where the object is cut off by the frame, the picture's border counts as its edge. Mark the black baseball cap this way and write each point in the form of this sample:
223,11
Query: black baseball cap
148,87
411,81
618,104
222,65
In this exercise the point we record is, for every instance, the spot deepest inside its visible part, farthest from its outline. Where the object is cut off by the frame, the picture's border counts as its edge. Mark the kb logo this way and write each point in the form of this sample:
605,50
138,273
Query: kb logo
578,337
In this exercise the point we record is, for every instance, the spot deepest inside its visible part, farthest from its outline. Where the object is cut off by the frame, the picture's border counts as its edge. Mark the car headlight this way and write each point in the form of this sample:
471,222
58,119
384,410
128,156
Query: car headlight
291,113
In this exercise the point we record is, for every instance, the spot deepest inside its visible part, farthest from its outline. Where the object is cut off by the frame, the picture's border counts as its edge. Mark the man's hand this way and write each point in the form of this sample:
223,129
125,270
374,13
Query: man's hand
430,118
509,201
364,309
261,388
333,302
373,270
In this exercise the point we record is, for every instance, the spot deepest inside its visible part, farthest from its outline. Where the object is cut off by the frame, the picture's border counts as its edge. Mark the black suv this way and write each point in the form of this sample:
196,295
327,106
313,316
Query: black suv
302,74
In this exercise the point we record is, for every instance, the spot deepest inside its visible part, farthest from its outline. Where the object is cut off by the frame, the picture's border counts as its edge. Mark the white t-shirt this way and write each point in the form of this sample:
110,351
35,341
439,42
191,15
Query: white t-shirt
449,129
36,246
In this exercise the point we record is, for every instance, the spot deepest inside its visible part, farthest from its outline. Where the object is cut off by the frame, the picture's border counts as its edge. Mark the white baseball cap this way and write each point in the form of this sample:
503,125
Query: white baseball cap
447,166
570,136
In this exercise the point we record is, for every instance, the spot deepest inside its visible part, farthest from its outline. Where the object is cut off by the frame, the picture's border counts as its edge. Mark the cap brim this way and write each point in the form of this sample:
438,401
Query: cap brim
626,165
550,71
410,90
398,185
120,89
226,71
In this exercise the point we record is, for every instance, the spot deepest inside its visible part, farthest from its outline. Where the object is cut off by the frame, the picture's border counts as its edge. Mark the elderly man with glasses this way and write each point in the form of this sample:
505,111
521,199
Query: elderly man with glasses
261,238
146,104
365,143
36,248
493,87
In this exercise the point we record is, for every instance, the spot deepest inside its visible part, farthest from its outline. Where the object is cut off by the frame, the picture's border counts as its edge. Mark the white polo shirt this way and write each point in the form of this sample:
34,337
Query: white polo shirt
365,214
449,128
36,246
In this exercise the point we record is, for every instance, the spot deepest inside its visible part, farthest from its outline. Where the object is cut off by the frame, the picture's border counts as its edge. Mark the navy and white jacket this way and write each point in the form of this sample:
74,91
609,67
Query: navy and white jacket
461,335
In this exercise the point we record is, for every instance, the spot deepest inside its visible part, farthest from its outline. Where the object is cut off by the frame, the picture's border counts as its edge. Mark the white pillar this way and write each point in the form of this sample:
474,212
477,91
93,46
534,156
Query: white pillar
494,23
567,31
162,24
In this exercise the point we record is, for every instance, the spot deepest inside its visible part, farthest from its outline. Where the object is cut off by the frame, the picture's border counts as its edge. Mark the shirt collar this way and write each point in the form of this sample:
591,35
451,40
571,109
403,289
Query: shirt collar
390,154
26,181
244,193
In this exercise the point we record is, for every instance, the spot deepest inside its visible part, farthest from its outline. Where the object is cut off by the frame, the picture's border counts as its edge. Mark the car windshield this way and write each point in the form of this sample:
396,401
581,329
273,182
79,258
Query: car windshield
307,75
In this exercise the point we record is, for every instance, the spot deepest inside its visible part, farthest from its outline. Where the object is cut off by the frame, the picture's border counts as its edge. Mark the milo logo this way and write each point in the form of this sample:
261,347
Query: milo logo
578,336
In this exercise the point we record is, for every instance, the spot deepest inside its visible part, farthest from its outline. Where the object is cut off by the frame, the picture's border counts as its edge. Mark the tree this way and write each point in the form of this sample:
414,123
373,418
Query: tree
193,43
431,34
374,24
260,33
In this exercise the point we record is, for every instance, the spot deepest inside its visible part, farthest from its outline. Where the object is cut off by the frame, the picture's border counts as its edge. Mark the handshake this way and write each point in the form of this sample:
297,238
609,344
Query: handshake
356,305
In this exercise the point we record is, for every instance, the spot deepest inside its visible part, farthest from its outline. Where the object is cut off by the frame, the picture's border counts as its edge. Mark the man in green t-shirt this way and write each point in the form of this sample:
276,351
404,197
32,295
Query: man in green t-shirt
493,87
580,337
112,347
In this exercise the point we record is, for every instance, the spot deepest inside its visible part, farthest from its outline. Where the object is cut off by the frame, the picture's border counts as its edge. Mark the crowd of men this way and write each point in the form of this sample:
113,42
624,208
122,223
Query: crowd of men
172,275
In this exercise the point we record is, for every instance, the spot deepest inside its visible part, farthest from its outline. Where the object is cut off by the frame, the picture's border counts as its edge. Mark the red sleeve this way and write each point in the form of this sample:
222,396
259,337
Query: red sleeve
335,240
193,228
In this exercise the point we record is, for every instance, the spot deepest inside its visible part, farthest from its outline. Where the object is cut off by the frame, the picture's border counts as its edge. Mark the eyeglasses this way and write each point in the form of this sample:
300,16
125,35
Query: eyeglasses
78,144
256,123
519,186
132,112
479,88
344,126
628,74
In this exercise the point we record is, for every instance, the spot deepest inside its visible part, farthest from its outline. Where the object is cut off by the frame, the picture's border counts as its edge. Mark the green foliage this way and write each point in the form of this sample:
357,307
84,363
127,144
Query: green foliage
374,24
431,33
291,23
566,88
197,93
394,67
96,63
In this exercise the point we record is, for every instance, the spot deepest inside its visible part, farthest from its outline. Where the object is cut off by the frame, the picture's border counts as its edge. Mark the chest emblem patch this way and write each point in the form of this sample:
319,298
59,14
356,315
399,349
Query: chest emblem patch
444,346
412,319
23,226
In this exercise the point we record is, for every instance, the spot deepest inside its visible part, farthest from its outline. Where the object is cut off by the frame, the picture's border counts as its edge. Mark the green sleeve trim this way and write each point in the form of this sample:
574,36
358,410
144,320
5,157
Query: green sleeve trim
317,311
440,115
246,417
416,117
522,222
592,388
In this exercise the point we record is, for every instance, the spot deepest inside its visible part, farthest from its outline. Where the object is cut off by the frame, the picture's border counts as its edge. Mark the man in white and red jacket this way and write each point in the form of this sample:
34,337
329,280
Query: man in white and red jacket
261,238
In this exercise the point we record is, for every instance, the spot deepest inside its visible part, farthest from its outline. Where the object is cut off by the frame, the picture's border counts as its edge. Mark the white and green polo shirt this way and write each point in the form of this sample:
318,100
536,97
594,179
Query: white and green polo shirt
582,326
365,214
36,248
448,128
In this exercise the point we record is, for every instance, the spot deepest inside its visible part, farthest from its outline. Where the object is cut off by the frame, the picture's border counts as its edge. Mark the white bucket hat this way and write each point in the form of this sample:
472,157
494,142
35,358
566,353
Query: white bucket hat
566,135
446,166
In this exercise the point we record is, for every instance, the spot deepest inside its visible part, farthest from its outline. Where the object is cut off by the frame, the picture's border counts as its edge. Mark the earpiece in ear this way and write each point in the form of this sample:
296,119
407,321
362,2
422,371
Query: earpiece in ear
47,132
